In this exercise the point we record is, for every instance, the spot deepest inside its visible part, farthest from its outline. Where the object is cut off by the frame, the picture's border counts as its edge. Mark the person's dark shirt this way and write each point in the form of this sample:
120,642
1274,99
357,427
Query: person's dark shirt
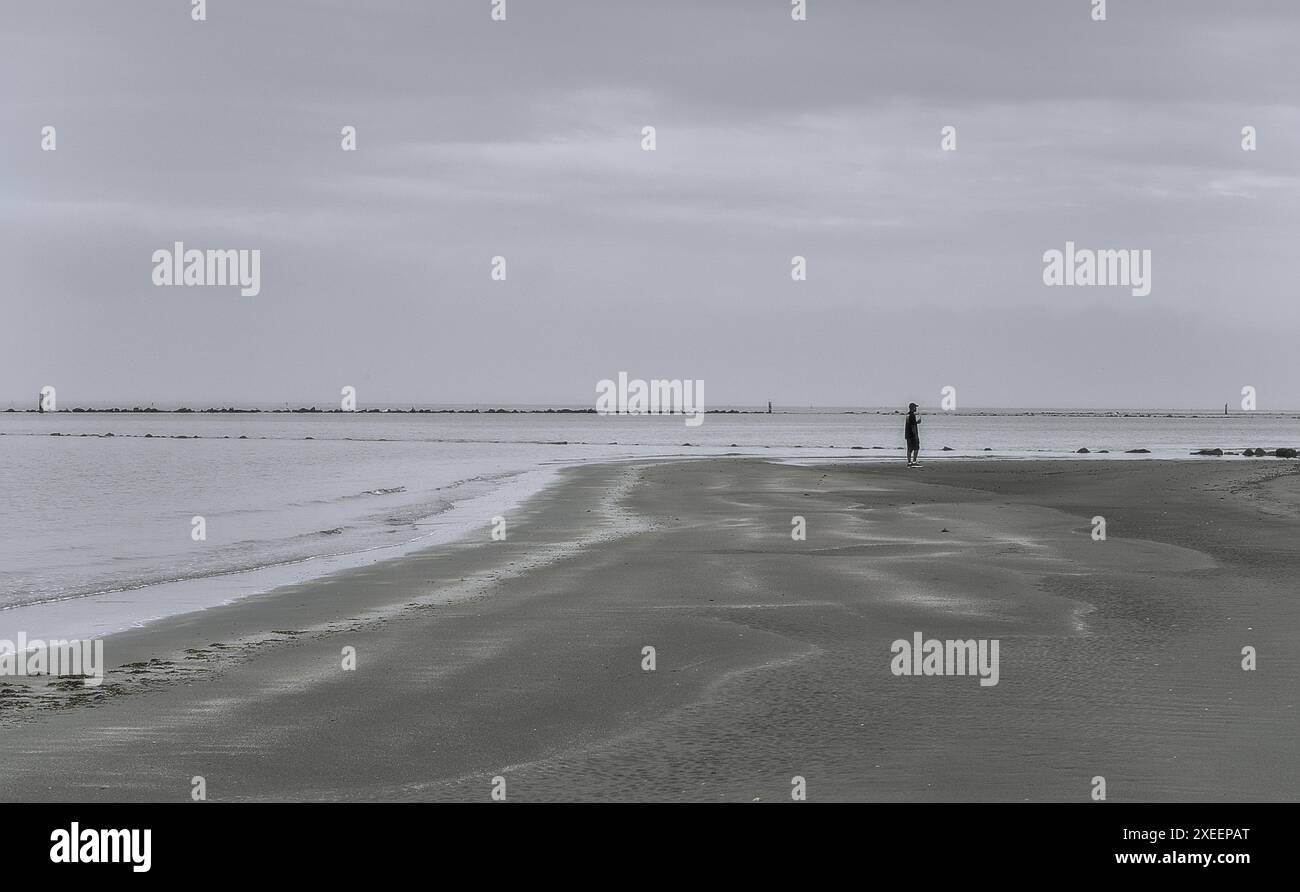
912,430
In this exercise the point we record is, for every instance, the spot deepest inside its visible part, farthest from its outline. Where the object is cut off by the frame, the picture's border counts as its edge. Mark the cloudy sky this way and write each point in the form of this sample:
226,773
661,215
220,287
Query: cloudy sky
774,138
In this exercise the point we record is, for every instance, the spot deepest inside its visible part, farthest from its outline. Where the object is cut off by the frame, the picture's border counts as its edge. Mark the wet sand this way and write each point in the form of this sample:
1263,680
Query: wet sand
523,658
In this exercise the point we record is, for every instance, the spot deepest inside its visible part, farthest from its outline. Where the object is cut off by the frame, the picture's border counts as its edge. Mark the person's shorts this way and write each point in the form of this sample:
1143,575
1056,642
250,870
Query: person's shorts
913,443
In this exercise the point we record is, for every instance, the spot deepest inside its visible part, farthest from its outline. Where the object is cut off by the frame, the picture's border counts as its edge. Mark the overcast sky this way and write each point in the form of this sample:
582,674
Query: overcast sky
774,138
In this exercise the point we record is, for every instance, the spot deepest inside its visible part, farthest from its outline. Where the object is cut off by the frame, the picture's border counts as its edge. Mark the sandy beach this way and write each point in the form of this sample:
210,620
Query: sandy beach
524,658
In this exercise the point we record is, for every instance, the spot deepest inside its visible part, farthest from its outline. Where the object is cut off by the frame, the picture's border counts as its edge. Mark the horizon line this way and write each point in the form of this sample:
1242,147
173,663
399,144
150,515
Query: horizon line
486,407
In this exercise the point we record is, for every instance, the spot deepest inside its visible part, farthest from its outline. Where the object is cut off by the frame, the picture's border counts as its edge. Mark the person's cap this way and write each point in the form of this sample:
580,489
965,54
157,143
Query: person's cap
911,405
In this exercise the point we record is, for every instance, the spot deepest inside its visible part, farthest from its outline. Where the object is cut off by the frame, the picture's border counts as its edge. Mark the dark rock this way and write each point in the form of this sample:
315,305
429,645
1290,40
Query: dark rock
1208,452
1138,452
1285,452
1082,451
946,449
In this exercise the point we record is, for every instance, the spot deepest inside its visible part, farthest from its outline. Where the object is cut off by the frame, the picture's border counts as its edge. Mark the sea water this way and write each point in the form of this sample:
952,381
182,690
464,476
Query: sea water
99,532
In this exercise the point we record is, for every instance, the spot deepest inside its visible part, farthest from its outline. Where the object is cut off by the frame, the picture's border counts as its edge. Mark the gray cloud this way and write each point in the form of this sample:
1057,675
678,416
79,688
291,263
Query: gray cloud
775,139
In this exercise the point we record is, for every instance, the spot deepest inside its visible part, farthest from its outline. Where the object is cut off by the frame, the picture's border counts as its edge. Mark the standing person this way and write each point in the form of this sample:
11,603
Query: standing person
912,431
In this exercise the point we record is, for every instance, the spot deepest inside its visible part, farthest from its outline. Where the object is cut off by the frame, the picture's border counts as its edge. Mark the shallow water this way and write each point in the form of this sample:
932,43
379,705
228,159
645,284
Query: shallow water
85,514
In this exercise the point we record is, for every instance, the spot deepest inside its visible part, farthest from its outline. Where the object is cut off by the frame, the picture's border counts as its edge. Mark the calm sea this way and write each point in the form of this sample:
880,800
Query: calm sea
98,530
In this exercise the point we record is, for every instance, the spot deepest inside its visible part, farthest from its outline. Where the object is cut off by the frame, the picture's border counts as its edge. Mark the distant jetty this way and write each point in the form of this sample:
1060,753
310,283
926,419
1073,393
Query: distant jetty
316,410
